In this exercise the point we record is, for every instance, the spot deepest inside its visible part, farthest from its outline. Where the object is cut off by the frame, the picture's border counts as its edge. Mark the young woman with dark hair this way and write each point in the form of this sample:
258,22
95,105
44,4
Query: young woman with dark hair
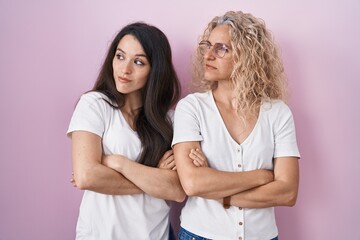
121,134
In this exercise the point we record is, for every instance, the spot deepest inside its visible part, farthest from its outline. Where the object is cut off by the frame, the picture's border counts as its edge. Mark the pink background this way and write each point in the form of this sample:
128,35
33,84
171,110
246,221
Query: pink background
51,51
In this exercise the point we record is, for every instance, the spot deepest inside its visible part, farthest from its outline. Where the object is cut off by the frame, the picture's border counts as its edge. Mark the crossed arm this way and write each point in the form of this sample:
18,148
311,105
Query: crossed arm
251,189
280,192
117,175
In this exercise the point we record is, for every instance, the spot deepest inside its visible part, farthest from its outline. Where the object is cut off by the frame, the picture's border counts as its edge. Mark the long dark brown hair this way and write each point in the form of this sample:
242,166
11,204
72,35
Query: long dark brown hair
161,92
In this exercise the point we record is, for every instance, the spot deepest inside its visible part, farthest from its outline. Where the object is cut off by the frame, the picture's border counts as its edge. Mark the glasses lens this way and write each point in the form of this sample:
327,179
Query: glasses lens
203,47
220,49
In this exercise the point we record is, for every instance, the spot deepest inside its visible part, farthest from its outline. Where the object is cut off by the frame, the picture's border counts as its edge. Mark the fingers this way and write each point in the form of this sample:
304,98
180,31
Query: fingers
167,154
197,164
198,158
72,180
168,163
198,154
171,164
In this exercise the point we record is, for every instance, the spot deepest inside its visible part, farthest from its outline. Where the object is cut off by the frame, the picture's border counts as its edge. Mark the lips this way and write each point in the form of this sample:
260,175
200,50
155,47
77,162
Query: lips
123,80
208,66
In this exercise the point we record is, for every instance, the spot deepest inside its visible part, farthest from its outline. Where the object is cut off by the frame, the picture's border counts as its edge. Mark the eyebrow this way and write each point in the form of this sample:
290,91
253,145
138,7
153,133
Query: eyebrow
137,55
208,42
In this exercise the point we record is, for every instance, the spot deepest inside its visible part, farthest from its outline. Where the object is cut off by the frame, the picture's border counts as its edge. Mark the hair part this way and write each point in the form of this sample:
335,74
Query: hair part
258,73
160,93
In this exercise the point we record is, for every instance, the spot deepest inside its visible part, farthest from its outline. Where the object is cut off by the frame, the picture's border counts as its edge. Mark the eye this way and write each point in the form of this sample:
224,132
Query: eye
220,49
204,47
138,62
120,56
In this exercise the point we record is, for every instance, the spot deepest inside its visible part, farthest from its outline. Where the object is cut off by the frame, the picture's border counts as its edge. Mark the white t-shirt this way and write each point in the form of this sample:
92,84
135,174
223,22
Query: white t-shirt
113,217
197,118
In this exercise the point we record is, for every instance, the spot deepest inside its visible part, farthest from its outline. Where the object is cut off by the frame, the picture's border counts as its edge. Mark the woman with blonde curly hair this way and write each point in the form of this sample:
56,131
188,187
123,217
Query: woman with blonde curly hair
234,142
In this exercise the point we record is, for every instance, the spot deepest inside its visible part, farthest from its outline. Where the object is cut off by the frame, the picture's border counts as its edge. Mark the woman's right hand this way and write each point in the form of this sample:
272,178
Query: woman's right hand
114,161
198,157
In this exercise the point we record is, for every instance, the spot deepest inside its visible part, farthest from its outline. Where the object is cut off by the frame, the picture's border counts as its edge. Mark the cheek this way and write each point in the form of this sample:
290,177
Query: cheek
114,66
227,69
145,76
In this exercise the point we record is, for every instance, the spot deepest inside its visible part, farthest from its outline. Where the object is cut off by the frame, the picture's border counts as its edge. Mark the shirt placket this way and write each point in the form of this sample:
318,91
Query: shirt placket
240,211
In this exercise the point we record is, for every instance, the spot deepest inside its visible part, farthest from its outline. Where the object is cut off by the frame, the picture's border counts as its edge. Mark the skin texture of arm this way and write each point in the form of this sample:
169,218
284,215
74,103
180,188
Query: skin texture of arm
90,173
158,182
281,192
210,183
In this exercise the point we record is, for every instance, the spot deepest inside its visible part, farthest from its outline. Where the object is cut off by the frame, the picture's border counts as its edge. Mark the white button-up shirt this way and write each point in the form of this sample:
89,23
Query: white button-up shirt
197,118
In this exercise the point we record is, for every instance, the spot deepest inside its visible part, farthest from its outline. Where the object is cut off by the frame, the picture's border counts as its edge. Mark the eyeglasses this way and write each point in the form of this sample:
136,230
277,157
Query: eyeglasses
218,49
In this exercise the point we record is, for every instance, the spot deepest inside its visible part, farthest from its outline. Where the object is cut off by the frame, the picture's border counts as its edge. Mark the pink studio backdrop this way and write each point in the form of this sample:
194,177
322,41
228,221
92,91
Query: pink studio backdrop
51,52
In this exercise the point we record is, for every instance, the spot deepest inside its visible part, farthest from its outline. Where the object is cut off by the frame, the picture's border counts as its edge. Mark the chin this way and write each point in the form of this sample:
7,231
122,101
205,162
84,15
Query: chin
211,79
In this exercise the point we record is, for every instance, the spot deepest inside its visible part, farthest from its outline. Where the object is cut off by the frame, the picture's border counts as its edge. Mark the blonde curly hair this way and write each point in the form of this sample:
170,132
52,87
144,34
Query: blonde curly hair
258,73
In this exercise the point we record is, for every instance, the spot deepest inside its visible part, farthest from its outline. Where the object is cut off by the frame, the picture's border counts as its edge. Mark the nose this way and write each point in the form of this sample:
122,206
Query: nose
209,54
126,67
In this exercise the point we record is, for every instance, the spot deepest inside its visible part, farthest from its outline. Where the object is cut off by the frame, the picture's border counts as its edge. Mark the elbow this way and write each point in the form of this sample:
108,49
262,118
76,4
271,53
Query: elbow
292,200
180,194
180,197
191,187
289,199
82,185
83,181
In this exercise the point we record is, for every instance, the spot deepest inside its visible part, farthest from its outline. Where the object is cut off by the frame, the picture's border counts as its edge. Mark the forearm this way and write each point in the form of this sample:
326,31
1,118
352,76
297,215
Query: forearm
101,179
213,184
281,192
90,173
277,193
157,182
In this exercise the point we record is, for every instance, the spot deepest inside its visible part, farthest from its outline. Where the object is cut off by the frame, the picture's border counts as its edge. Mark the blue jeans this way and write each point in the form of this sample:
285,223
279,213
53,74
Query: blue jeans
186,235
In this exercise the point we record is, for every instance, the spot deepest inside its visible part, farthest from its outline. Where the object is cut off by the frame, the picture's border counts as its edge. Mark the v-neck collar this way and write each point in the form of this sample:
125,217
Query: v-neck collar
225,128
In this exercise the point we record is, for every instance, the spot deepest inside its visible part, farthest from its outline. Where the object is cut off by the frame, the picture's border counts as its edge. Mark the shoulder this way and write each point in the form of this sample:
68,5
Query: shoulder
277,112
94,102
195,98
93,97
275,107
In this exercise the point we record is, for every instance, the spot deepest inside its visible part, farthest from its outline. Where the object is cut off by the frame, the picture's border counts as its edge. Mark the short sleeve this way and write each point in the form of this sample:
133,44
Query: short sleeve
88,114
170,115
186,121
285,134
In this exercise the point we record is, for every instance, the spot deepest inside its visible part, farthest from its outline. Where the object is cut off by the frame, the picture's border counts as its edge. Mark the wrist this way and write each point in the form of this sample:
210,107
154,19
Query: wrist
226,202
120,163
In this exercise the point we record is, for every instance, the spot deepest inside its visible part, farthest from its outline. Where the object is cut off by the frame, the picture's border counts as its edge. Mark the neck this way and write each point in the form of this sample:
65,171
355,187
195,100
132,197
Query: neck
132,104
225,94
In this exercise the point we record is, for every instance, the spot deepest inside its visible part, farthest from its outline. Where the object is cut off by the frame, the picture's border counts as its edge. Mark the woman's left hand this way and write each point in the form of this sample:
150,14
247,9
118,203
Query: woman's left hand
167,161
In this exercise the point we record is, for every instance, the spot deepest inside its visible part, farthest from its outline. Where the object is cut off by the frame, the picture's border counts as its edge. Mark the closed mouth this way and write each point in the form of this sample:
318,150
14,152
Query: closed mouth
209,66
124,80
